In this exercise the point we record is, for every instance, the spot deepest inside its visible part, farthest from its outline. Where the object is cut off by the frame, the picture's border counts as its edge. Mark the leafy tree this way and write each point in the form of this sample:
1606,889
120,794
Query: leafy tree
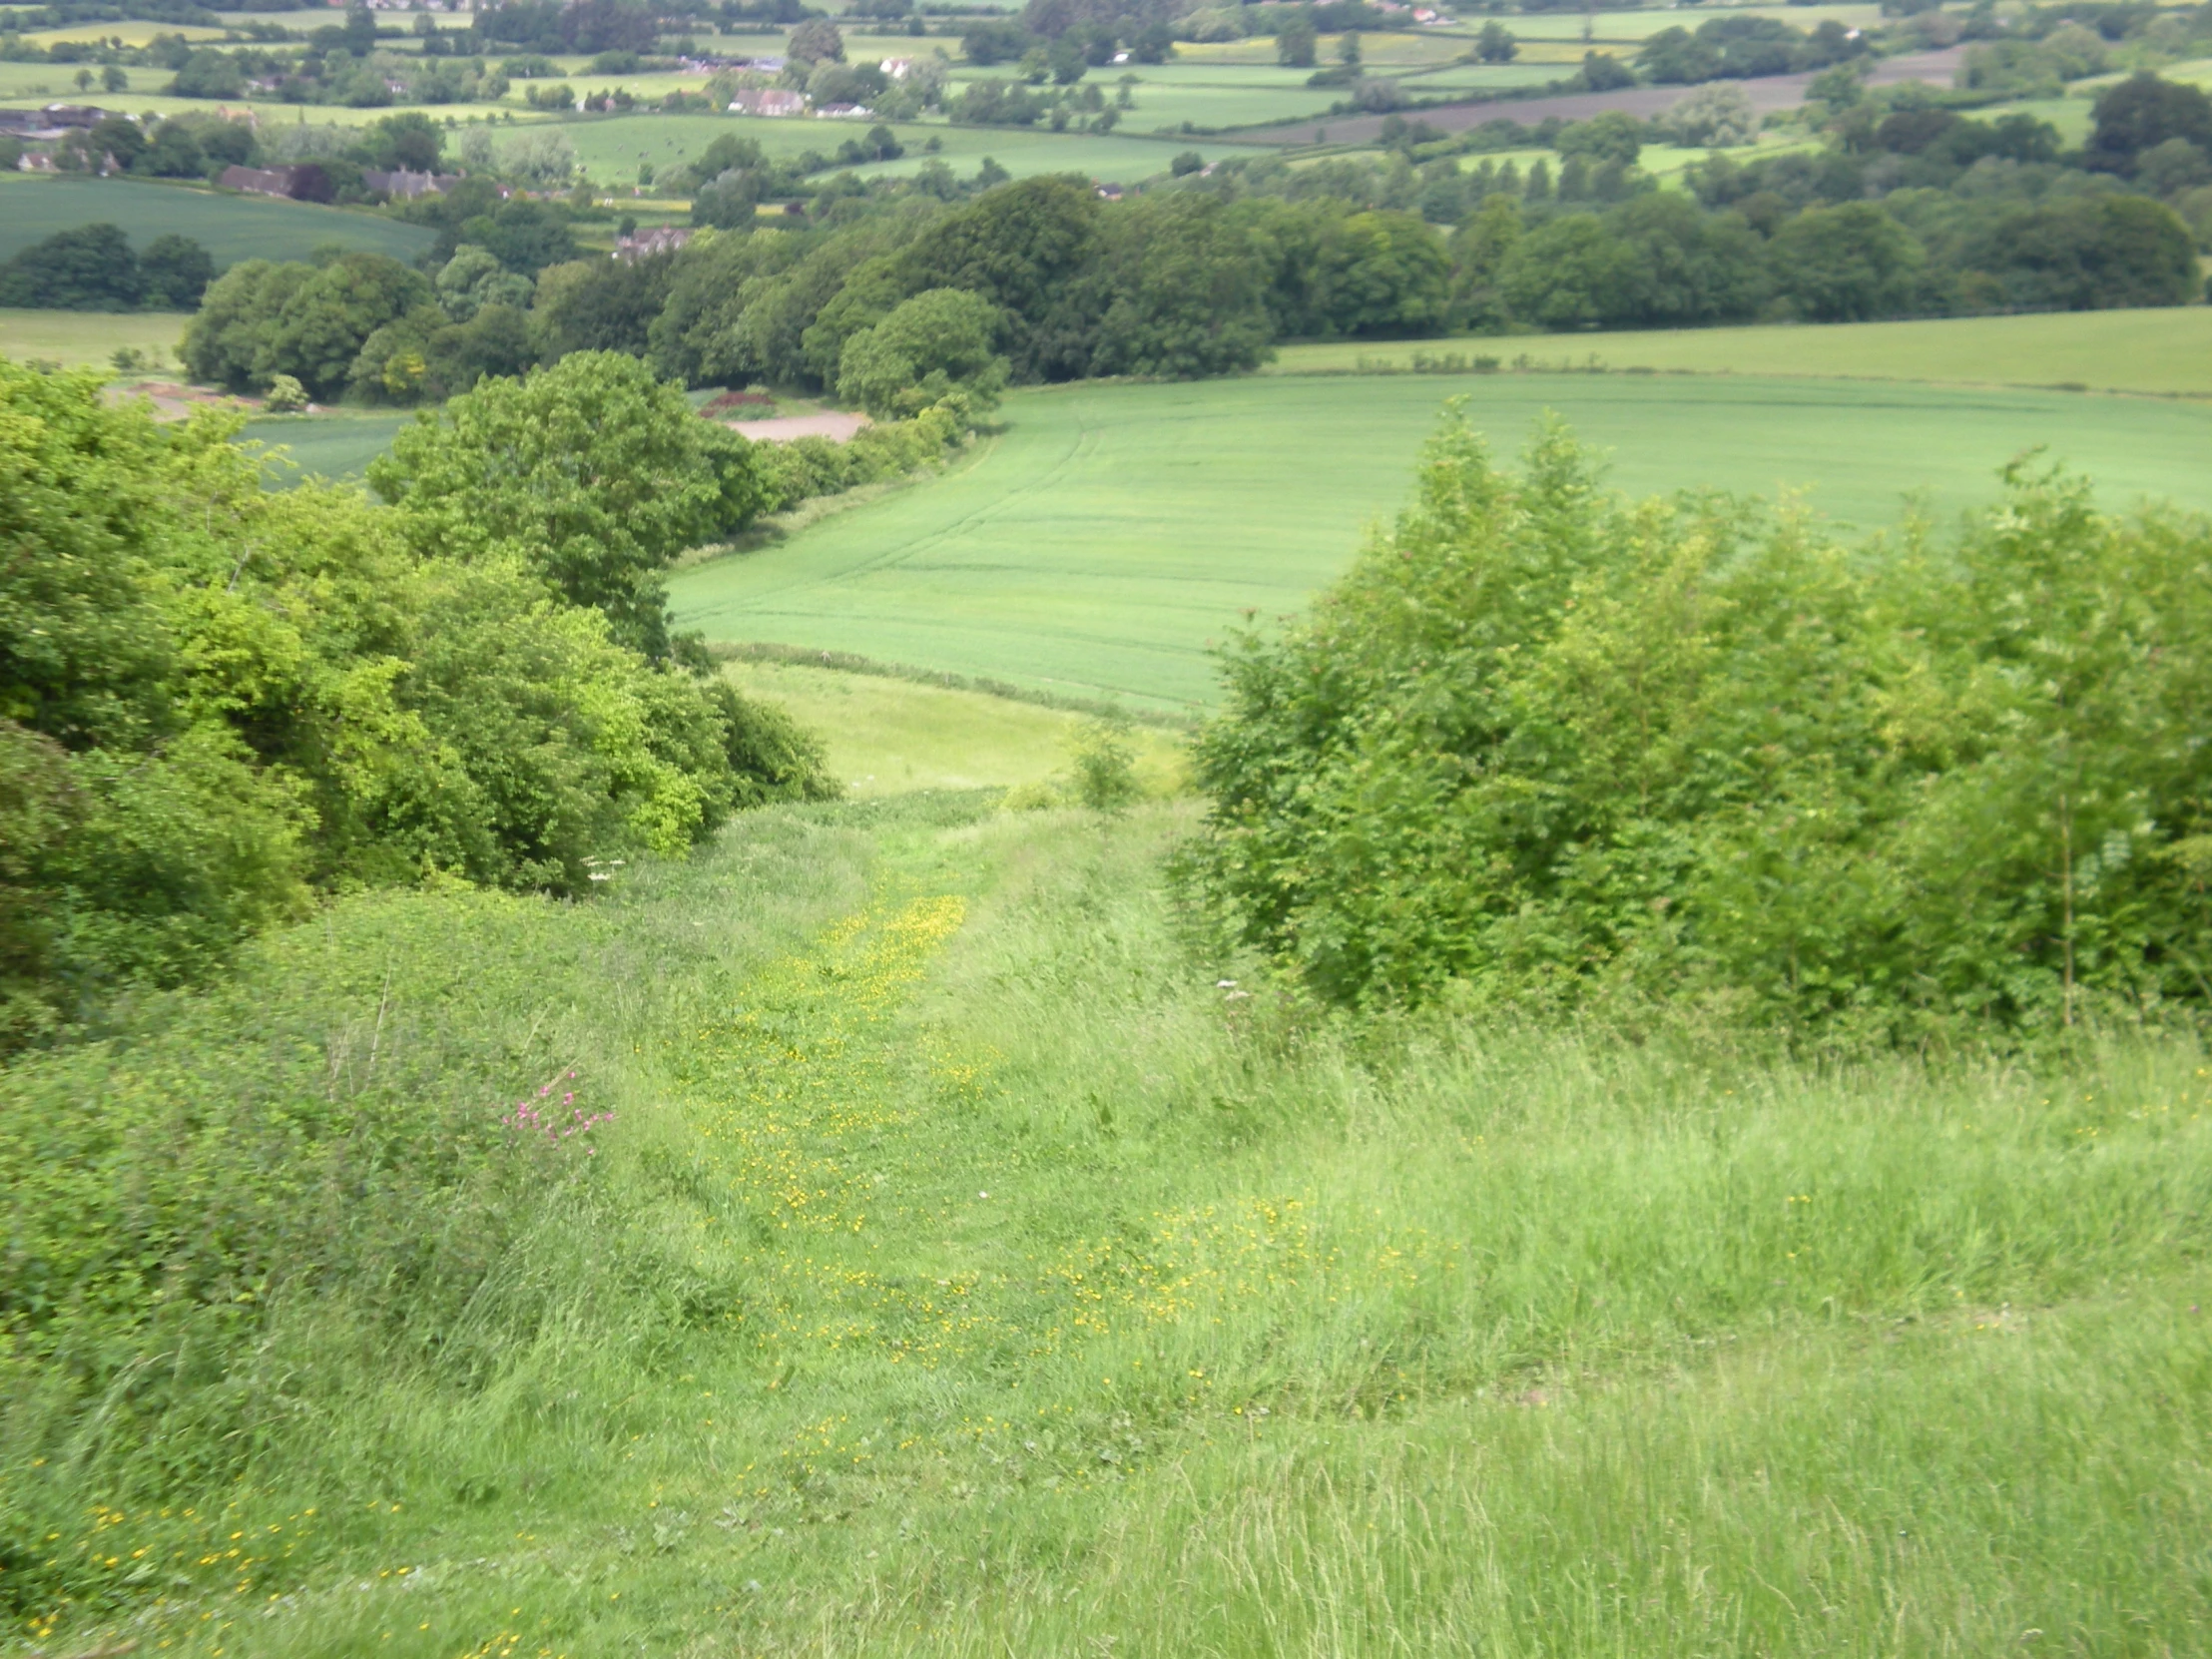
325,320
208,74
592,472
228,342
599,306
1186,279
174,153
284,396
523,236
1717,118
1495,43
173,273
939,342
2141,113
1602,71
1571,272
1847,264
1294,42
89,268
1385,273
474,279
2090,254
818,40
409,140
1614,136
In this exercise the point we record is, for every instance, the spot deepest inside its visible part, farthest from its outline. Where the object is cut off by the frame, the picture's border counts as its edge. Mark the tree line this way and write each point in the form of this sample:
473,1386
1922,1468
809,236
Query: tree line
1909,210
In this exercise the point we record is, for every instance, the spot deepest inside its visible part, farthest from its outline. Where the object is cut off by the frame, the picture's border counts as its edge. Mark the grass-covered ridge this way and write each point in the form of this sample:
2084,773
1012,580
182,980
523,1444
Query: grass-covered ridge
965,1269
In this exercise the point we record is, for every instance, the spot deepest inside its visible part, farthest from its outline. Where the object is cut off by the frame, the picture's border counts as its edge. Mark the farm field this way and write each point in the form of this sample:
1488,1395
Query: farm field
230,227
2164,351
889,736
77,340
1113,531
611,147
338,444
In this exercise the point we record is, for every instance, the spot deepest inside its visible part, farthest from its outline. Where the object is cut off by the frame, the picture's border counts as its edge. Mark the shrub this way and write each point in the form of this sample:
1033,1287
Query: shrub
284,396
1542,746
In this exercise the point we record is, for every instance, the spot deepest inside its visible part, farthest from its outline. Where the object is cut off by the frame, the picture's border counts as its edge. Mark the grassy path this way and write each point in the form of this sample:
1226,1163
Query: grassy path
982,1277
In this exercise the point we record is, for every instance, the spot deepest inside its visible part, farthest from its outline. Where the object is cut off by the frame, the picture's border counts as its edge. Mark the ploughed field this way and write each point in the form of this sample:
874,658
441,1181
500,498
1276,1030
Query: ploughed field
1110,534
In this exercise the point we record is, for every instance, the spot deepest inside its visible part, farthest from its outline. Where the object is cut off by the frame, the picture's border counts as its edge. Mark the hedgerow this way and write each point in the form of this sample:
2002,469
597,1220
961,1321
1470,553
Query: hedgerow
1547,748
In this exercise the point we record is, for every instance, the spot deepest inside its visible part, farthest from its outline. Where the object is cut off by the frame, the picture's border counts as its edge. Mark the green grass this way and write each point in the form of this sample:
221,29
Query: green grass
232,227
892,736
613,146
1112,531
975,1274
337,445
2162,352
79,338
1221,99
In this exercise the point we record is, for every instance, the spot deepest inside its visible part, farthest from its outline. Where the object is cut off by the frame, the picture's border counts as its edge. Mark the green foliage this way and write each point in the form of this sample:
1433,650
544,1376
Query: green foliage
1306,1326
592,472
94,269
803,468
1102,766
284,396
939,342
1542,747
310,322
215,698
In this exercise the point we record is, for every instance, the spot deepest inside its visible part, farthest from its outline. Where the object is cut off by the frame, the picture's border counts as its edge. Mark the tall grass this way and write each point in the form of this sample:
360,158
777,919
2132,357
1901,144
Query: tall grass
985,1275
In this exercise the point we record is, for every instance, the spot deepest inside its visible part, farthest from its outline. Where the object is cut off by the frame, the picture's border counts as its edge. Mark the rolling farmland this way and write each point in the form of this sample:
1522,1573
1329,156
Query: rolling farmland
1111,532
232,227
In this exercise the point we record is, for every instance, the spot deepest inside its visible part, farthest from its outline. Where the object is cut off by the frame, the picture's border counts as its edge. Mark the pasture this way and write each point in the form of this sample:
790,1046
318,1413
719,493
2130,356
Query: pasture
79,339
2163,352
1110,533
230,227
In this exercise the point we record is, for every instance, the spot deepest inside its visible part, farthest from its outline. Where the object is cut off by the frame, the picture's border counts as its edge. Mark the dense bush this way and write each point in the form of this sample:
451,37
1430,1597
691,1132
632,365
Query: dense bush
216,700
1542,747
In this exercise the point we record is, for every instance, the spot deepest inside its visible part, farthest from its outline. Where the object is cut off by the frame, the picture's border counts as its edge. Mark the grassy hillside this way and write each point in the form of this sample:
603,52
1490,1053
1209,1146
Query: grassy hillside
2159,351
232,227
1112,531
970,1270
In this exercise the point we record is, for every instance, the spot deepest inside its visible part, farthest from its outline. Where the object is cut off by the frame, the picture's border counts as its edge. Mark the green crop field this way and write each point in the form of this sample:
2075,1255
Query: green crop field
232,227
2167,352
611,147
77,338
334,445
891,736
1112,531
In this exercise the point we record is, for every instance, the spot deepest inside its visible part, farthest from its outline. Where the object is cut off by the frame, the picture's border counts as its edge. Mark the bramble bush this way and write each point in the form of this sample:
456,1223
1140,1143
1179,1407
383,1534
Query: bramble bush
1546,748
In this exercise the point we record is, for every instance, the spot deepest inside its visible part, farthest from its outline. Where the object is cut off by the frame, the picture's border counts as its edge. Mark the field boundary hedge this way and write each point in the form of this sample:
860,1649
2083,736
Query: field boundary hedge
850,662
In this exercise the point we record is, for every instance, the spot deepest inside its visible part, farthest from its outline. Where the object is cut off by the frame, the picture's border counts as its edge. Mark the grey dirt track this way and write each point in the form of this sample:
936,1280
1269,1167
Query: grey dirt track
1768,92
